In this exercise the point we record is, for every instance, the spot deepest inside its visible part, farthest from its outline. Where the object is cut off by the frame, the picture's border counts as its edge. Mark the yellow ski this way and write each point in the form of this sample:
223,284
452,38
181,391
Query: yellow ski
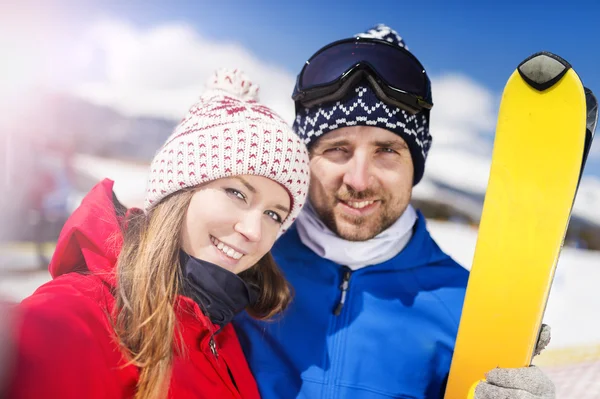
539,151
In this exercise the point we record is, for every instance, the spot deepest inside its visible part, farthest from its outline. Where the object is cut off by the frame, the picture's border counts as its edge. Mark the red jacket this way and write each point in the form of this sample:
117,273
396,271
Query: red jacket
65,347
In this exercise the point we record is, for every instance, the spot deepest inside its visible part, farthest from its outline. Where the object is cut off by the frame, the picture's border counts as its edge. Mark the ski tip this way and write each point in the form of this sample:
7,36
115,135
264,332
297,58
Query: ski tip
542,70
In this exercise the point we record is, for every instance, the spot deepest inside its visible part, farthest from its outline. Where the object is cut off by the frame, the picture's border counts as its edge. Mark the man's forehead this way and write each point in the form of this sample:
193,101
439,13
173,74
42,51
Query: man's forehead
360,135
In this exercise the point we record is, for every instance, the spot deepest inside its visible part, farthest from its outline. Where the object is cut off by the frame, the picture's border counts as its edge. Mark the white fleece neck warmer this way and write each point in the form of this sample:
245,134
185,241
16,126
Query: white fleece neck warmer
355,254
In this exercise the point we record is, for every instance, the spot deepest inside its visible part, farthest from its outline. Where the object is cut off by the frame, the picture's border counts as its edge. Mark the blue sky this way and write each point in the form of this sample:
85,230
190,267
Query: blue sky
483,41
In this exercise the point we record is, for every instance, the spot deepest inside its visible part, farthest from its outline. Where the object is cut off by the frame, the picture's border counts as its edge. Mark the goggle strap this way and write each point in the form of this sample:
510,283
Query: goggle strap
387,99
342,91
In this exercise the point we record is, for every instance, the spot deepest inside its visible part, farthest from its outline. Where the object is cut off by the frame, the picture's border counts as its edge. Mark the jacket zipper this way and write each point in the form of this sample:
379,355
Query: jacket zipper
213,347
212,344
338,339
346,274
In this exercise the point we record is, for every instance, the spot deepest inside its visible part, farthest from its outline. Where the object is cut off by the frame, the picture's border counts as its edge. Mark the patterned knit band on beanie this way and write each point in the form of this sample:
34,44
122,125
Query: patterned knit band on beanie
362,107
228,133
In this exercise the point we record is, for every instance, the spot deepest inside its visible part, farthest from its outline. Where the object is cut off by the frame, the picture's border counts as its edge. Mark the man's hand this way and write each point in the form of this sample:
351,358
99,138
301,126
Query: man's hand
543,340
519,383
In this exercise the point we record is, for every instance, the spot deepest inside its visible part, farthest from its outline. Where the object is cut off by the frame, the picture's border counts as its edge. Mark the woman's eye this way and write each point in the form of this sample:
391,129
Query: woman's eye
275,216
236,193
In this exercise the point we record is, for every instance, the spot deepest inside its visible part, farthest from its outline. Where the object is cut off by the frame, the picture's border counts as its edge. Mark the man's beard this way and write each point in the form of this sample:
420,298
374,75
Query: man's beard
363,227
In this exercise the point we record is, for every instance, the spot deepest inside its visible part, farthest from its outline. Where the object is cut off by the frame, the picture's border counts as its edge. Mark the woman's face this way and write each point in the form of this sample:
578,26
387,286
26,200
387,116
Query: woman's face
234,221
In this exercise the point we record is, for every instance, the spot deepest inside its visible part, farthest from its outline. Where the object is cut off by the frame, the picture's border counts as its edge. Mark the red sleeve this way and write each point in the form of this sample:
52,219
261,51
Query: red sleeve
63,349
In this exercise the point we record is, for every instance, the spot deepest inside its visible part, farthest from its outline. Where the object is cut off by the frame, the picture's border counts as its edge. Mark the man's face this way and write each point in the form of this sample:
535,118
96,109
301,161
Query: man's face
361,180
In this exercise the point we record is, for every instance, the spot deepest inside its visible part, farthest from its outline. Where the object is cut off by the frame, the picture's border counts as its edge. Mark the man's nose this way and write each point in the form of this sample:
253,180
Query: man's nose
358,175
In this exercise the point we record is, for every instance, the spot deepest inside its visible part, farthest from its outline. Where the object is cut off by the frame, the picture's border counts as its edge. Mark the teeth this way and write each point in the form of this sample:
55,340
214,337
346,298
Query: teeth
232,253
359,205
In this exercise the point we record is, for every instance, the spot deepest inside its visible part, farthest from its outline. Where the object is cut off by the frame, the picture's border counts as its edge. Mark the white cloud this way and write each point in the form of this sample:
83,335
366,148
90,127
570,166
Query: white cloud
463,108
162,70
463,120
588,198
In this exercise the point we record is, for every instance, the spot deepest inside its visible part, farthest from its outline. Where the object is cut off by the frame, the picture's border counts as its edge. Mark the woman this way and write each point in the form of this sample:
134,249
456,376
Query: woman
141,301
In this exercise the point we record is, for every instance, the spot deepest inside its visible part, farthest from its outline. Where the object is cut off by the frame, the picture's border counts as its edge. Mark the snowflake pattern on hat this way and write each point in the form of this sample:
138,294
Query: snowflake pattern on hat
363,107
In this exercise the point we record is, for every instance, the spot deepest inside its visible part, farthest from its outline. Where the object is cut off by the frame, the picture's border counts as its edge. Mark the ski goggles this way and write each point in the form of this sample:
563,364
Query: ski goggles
396,75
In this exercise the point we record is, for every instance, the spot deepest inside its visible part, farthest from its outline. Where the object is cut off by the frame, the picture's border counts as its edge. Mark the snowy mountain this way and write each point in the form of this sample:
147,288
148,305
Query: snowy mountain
468,174
63,122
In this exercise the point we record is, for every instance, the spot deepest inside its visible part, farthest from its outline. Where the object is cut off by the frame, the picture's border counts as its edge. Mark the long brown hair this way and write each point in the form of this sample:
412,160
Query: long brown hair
148,281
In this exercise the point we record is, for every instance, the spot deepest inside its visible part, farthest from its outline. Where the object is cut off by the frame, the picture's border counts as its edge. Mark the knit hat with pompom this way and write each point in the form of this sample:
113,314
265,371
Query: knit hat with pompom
228,133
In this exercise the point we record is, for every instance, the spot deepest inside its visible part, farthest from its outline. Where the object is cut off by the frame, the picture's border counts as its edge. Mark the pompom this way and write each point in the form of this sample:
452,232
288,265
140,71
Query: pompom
384,32
234,82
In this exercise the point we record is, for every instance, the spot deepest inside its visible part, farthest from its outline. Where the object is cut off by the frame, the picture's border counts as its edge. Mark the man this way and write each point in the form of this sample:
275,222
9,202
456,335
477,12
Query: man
377,303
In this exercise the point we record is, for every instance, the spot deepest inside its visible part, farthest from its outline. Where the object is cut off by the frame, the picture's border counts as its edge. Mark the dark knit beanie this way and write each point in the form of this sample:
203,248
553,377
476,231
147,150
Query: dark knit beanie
362,107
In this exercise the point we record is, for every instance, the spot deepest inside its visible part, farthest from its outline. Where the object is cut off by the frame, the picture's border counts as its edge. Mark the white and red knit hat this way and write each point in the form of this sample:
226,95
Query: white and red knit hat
228,133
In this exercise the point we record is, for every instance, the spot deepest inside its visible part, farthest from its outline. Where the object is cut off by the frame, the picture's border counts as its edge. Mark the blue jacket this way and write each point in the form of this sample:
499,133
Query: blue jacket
392,337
